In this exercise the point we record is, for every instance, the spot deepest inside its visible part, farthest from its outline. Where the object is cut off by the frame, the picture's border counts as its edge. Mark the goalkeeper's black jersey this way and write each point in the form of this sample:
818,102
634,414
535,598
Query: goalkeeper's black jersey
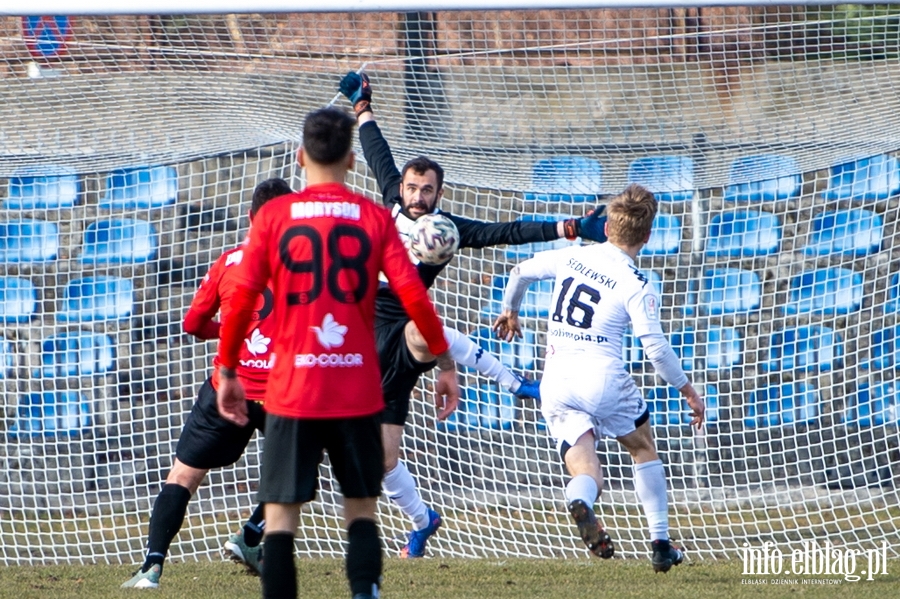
472,233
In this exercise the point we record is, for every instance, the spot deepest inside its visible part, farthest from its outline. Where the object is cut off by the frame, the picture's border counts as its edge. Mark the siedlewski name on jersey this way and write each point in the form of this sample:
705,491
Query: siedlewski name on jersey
591,274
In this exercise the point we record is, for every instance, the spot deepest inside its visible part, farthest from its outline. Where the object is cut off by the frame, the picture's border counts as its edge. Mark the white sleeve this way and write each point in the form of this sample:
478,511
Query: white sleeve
542,266
663,358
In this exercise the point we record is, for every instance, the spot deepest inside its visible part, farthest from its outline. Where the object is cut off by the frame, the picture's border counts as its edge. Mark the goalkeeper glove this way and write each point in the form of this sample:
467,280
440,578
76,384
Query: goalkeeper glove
591,227
357,89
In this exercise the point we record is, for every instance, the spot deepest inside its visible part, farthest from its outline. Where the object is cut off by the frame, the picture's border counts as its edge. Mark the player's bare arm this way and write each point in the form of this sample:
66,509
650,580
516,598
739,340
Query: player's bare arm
446,388
230,397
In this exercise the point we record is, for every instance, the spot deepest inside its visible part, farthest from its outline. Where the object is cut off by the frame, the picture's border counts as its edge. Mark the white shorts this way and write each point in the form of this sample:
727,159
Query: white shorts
609,403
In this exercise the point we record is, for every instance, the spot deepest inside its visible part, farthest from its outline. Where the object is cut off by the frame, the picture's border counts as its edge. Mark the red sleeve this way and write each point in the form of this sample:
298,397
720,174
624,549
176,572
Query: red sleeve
251,276
405,282
198,320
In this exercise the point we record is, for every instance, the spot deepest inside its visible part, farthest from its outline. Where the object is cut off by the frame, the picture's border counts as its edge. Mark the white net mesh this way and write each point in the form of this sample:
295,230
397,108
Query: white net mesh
127,158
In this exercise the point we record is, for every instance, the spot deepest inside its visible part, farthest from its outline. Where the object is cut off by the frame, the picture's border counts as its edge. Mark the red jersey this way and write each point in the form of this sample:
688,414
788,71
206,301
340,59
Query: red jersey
323,248
216,291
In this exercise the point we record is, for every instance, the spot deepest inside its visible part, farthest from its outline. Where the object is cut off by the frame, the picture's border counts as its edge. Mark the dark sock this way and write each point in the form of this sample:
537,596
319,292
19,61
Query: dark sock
279,576
363,557
255,526
165,522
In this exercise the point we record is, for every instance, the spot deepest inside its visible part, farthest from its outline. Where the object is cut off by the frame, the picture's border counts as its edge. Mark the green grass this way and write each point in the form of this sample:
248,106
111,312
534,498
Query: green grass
441,579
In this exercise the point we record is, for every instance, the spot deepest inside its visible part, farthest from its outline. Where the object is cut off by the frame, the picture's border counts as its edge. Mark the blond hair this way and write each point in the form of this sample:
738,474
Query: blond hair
630,216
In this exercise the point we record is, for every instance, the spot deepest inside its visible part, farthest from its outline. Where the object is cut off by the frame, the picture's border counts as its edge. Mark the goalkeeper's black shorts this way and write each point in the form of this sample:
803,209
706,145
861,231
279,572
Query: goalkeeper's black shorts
209,441
400,371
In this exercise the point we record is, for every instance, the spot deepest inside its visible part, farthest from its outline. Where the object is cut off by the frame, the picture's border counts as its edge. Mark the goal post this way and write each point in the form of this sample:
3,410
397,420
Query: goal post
131,142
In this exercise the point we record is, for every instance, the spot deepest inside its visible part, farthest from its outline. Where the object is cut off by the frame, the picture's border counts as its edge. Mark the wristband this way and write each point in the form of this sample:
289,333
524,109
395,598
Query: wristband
227,373
570,228
361,107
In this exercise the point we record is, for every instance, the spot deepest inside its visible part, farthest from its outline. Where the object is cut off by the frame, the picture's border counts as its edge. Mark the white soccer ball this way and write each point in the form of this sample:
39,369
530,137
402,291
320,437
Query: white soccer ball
433,239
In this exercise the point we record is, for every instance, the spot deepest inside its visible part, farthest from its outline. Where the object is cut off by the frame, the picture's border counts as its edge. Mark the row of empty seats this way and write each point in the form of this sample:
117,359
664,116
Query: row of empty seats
112,241
67,354
777,405
52,188
86,299
724,291
761,177
750,233
756,178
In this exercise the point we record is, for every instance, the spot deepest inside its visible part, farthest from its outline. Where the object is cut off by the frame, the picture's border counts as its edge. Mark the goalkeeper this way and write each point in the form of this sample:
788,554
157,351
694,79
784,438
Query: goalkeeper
411,193
207,440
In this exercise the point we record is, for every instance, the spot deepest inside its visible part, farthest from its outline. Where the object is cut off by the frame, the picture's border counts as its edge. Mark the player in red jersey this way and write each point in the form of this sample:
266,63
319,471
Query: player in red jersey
207,440
322,249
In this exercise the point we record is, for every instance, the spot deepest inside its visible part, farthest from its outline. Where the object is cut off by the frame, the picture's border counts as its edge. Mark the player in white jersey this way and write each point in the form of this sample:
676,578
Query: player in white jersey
587,392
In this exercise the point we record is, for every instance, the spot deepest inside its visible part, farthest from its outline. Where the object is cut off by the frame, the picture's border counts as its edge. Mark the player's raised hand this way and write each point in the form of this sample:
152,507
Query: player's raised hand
593,226
231,401
358,90
507,326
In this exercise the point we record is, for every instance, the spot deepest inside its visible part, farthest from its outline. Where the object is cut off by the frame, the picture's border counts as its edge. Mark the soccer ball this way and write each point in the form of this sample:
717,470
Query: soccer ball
433,239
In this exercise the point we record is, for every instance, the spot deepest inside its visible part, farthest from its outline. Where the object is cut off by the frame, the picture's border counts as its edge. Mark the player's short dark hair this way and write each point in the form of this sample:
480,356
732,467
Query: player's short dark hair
630,216
421,165
267,190
328,135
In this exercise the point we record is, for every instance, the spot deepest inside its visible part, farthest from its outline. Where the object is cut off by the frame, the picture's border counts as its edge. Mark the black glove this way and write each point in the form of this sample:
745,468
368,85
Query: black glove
357,89
591,227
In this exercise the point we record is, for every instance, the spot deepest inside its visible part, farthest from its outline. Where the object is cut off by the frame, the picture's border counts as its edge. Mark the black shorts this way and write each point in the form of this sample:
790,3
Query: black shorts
400,371
209,441
294,448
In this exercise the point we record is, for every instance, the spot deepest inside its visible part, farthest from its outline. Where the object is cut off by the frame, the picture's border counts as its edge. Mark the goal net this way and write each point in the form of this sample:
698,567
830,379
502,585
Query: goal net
130,146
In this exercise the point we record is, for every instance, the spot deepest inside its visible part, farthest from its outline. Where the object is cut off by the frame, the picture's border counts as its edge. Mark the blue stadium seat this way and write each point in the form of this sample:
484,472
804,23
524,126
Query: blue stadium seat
517,253
854,232
721,349
28,240
684,344
483,407
806,348
763,178
565,179
785,404
119,241
665,237
869,178
535,304
519,356
7,359
724,348
18,300
48,188
670,178
141,188
668,408
892,303
730,291
97,298
873,405
51,414
632,352
825,291
884,348
76,353
743,233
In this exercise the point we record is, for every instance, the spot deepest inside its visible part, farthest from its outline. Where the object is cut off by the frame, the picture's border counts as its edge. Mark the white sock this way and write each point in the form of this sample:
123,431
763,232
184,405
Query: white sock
468,353
650,484
582,487
399,486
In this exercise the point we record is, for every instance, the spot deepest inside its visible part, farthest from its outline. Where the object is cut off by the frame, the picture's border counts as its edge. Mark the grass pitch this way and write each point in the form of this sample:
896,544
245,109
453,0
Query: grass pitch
449,579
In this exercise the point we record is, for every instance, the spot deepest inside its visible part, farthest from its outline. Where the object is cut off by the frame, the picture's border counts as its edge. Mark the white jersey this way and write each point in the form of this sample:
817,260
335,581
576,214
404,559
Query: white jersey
598,292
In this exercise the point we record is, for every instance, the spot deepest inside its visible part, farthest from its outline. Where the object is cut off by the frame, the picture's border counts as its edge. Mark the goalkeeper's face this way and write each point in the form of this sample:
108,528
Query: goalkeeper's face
420,193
